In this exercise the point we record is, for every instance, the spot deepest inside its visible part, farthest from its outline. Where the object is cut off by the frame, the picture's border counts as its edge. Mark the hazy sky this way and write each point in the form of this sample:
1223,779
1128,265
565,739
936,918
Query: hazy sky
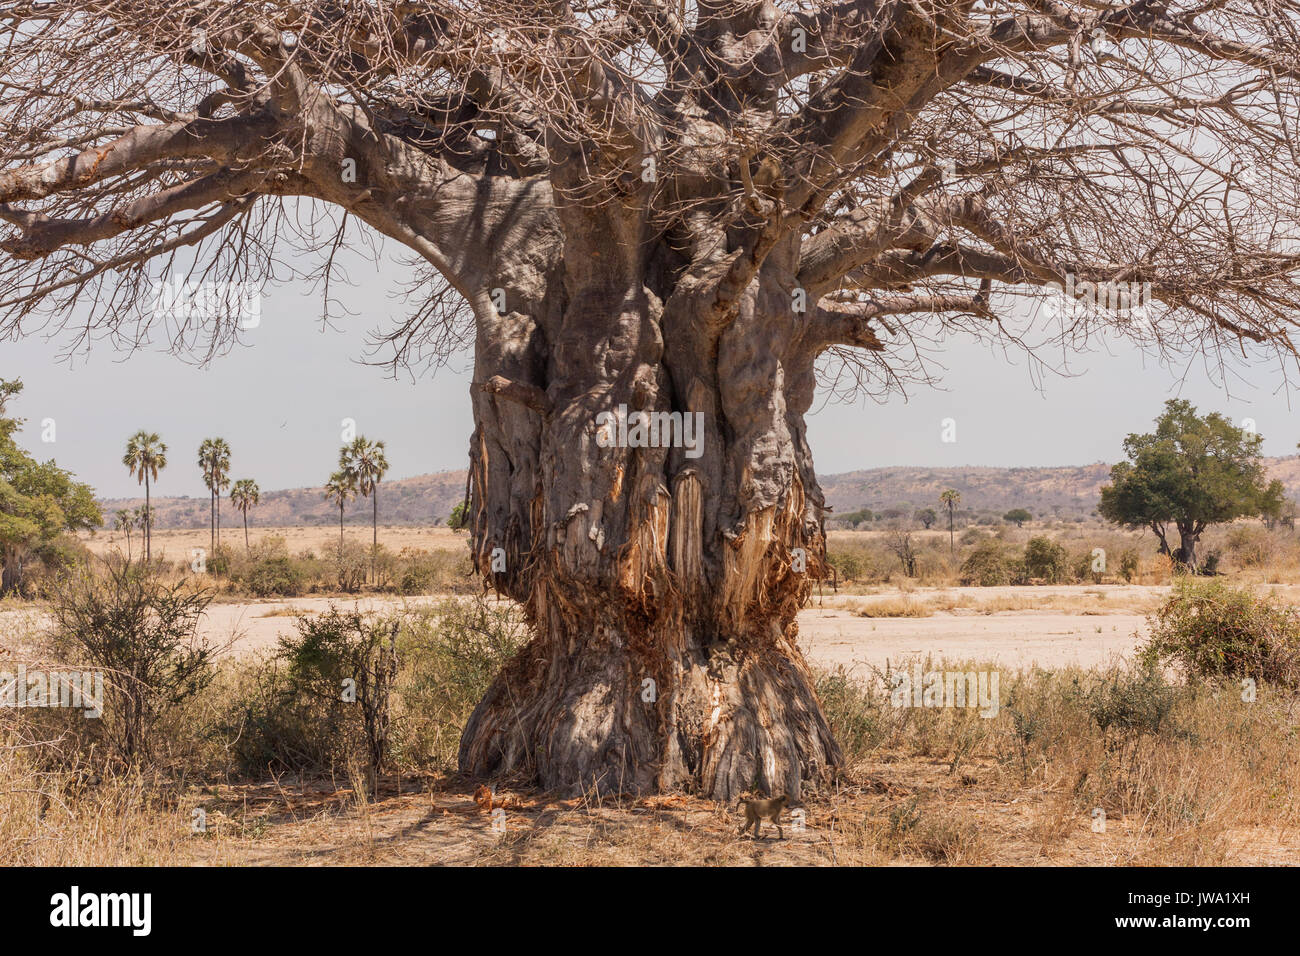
279,401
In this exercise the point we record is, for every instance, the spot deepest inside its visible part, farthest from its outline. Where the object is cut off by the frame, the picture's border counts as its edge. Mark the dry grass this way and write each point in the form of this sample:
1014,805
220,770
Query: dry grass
1203,778
1081,600
892,607
1213,783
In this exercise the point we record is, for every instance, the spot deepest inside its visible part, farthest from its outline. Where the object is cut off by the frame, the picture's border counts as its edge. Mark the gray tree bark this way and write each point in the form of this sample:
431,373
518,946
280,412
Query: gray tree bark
661,587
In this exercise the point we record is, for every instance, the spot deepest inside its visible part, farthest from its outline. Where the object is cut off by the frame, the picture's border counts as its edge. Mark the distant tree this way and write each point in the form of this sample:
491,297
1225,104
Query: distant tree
855,518
214,460
459,516
1192,472
143,518
950,499
1285,516
1017,516
341,488
365,459
124,521
245,494
926,517
146,455
38,502
899,541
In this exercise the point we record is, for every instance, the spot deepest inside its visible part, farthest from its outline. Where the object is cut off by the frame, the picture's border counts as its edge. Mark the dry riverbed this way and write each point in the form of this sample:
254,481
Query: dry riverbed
1071,625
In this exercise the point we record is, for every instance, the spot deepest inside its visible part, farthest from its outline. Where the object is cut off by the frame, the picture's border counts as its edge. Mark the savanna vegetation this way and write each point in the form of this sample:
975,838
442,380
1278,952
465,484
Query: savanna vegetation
341,743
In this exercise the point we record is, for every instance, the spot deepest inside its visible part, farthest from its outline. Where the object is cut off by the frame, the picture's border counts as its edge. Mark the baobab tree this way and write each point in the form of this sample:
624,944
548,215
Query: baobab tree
694,209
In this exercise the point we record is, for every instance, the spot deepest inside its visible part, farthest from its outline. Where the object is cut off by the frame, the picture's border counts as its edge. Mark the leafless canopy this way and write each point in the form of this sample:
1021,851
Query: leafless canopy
936,160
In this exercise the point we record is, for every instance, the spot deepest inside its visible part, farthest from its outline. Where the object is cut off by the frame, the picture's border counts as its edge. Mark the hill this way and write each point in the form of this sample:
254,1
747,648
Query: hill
1068,491
421,500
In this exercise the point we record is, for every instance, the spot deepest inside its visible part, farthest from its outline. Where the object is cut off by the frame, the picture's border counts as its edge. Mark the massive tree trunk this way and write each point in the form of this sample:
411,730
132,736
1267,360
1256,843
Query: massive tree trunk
662,582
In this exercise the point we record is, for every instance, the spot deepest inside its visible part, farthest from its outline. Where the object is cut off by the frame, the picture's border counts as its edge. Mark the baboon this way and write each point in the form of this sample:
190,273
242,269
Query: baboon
756,811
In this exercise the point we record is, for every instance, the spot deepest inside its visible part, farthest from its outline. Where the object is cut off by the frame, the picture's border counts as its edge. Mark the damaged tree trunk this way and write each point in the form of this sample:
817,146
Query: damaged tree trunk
661,558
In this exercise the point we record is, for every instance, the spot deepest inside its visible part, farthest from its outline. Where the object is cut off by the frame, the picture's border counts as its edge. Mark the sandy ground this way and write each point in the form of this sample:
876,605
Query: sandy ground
828,636
1011,638
831,634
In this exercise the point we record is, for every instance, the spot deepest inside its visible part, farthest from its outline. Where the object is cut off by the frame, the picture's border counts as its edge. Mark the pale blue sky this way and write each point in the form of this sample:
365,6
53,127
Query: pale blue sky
279,401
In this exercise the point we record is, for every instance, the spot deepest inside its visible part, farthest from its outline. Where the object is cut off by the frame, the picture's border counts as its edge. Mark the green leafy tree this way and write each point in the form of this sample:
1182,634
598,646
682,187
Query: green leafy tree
459,516
855,518
146,455
926,517
1017,516
1192,472
341,488
38,501
245,494
365,459
950,499
214,461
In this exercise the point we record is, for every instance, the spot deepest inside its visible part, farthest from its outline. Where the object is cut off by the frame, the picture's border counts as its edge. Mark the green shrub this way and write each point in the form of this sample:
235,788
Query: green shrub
451,653
274,576
1211,629
267,570
1131,702
1129,562
847,564
422,572
122,618
323,701
351,566
851,711
219,562
987,566
1046,560
293,716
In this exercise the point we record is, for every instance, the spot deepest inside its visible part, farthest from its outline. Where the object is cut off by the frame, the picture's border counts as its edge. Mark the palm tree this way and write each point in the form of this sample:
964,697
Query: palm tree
146,455
341,488
245,494
144,521
124,522
365,459
214,460
950,499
